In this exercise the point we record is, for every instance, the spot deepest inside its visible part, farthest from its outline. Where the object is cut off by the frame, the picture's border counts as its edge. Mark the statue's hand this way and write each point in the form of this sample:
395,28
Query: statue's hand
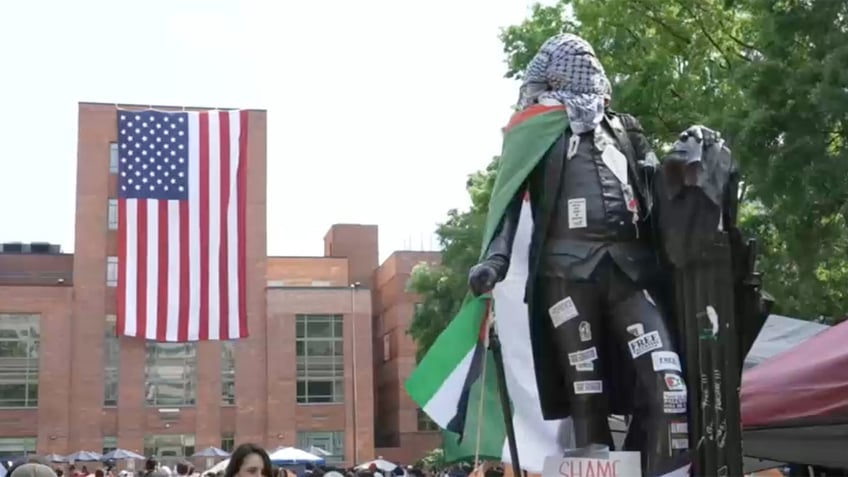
701,134
483,277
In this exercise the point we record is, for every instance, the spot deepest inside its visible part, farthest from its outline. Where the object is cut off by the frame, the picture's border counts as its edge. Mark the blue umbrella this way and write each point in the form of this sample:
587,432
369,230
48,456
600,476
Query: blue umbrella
54,458
83,456
122,454
211,452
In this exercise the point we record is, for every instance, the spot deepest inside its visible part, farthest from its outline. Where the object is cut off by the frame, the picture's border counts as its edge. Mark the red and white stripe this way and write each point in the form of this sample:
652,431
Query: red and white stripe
181,264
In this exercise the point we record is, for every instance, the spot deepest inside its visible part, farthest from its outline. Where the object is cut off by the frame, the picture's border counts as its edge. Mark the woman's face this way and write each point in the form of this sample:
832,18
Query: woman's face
251,467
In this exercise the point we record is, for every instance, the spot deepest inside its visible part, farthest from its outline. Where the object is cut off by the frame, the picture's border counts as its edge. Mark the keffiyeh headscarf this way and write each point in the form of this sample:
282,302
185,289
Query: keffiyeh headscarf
566,71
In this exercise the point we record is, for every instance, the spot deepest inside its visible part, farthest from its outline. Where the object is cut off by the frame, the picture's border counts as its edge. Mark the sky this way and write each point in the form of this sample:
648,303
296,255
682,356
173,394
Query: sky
377,109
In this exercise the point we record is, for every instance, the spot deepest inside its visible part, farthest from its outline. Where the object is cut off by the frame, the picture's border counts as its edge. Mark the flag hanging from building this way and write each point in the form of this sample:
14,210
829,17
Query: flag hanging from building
181,225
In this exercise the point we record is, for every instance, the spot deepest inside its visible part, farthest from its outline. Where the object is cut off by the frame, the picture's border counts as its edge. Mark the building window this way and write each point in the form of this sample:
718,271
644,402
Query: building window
329,445
15,447
113,158
171,374
110,443
112,214
425,423
111,362
228,442
111,271
169,449
228,373
387,347
19,343
320,361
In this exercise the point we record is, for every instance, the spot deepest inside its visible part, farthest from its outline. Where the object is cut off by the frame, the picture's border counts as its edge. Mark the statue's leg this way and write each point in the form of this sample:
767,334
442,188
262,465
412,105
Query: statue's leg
660,413
573,308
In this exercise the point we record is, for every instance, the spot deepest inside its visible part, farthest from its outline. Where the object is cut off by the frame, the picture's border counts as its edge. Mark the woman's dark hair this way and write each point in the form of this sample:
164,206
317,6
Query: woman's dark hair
98,473
241,452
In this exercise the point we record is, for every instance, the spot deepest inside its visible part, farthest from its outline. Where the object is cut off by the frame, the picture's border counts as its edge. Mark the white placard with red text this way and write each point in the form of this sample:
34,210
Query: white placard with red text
618,464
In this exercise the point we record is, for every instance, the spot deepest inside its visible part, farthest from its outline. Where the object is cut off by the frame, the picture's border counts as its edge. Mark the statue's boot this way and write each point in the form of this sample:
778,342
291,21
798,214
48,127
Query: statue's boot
676,466
592,430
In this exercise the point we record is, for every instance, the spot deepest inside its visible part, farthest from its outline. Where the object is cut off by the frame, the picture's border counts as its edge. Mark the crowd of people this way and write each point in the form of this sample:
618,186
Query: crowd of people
247,460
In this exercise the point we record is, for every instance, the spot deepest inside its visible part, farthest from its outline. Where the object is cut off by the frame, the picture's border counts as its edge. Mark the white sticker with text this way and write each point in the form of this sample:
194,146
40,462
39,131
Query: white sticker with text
679,428
666,361
563,311
645,344
674,402
577,213
588,387
589,354
678,444
585,366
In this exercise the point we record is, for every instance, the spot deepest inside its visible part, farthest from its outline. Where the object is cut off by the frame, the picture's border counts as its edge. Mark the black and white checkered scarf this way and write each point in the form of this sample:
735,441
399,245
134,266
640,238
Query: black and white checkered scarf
566,71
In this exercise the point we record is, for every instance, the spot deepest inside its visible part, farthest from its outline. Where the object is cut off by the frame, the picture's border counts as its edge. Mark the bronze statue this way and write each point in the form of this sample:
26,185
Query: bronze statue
601,342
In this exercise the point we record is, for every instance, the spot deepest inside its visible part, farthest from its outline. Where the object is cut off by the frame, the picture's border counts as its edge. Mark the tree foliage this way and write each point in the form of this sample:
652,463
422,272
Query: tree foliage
770,74
442,287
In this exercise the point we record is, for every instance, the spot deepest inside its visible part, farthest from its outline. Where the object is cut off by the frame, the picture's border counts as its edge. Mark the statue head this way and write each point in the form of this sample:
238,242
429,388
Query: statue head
566,71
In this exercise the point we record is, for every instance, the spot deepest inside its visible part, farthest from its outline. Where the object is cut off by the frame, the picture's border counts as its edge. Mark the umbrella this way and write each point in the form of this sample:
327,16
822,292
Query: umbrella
54,458
294,456
381,464
83,456
211,452
219,467
122,454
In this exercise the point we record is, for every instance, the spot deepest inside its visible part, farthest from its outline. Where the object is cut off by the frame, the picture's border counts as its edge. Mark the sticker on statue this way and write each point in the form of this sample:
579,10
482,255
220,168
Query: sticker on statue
637,329
588,387
674,402
585,330
614,464
679,427
563,311
588,354
666,361
577,213
573,144
678,444
674,382
585,366
645,344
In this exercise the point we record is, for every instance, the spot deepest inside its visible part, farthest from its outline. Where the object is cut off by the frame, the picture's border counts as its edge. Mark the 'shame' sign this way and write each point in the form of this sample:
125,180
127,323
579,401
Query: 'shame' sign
618,464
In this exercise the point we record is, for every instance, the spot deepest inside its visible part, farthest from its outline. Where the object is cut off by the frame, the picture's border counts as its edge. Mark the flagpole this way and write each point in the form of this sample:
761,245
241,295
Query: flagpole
503,391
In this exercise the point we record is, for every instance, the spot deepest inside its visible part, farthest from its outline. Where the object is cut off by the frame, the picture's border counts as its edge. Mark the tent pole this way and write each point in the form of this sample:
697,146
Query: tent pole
503,391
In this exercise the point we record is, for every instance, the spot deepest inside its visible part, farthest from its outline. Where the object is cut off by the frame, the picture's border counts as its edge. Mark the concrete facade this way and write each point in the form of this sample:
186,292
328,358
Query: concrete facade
69,292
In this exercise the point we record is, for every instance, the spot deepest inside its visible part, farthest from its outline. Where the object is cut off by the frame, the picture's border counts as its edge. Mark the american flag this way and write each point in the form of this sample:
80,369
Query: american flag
181,213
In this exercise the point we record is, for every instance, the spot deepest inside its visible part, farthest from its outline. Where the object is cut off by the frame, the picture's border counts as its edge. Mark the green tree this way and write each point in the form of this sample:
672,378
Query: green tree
442,287
791,135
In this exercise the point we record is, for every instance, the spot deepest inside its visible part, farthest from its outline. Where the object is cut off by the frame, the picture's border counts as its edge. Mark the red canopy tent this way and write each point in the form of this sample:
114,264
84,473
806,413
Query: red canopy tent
795,405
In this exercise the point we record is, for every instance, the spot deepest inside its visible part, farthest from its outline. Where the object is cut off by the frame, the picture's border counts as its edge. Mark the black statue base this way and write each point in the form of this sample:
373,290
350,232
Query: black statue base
712,366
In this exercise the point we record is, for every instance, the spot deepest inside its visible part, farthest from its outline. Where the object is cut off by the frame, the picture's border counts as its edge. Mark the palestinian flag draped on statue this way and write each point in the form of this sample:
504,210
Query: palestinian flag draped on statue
455,383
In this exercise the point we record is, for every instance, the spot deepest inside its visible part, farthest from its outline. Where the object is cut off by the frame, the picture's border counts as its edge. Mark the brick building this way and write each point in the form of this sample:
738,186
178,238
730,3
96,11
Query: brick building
323,366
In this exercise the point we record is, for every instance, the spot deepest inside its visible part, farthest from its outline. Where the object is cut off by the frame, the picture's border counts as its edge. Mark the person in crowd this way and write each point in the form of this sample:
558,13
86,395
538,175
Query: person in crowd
249,460
31,470
183,469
